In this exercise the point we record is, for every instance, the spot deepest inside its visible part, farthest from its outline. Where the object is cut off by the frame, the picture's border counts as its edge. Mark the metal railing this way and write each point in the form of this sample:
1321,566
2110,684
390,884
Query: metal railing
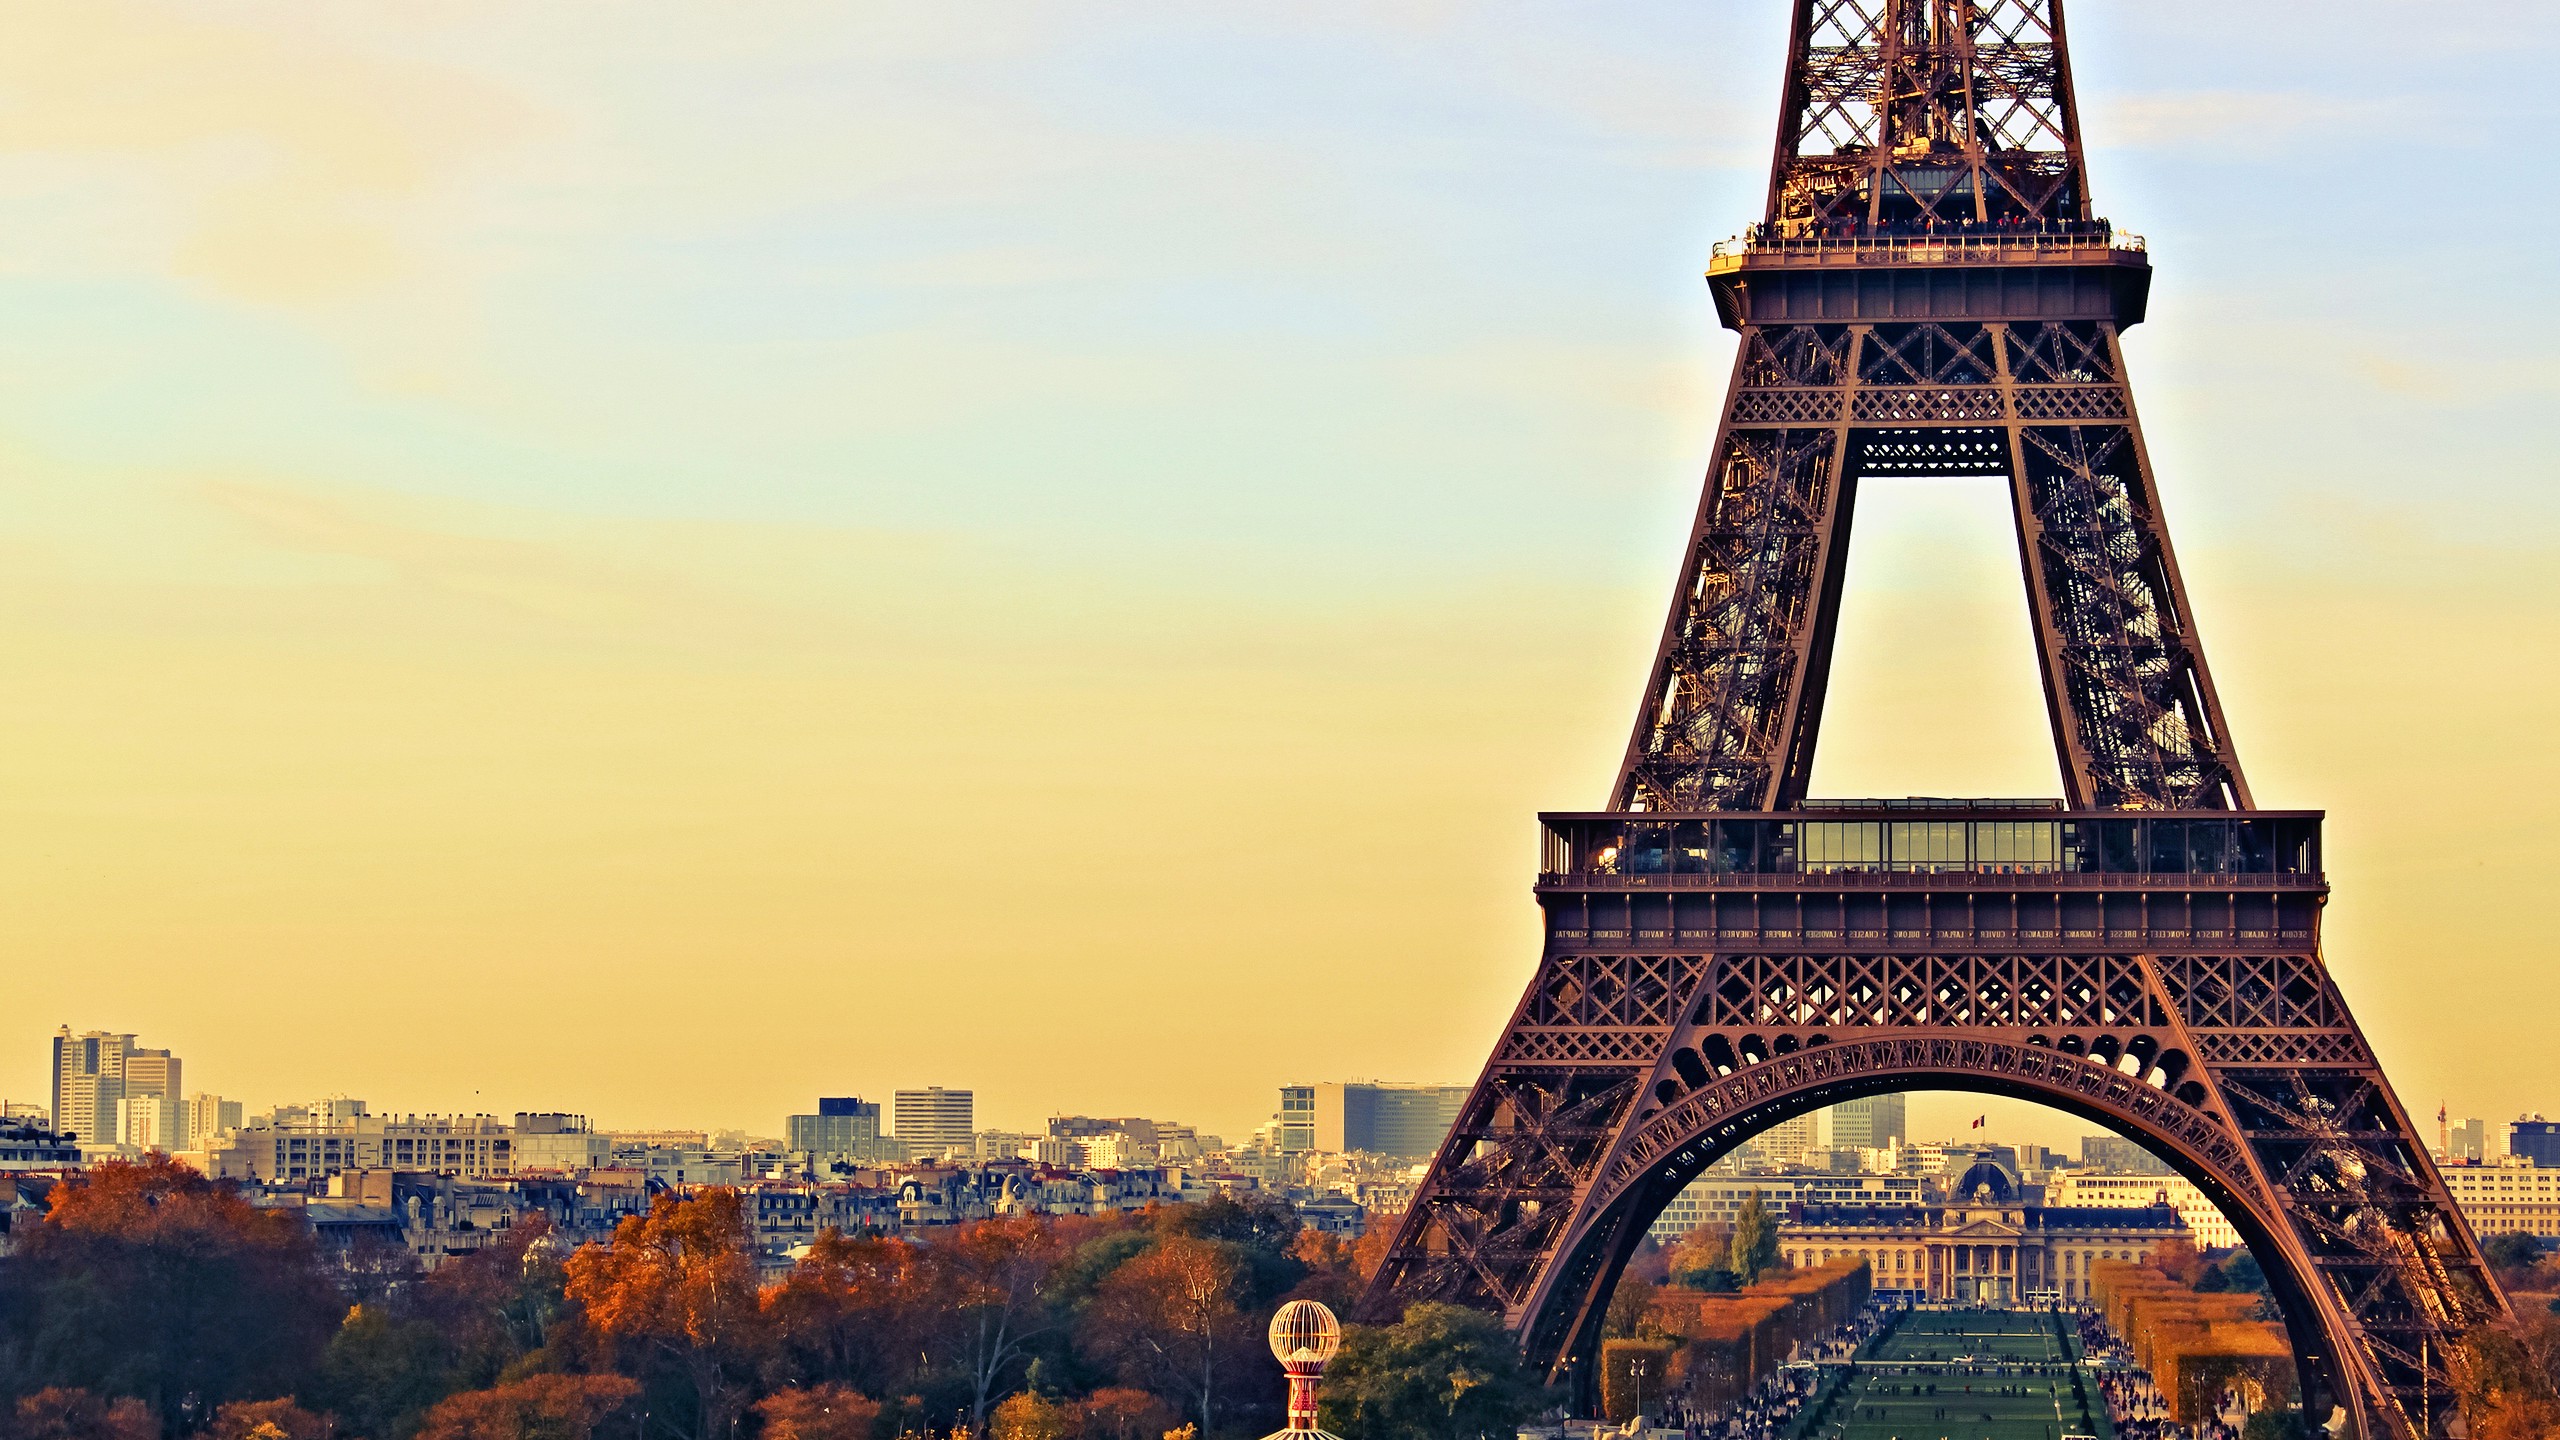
1938,246
1844,877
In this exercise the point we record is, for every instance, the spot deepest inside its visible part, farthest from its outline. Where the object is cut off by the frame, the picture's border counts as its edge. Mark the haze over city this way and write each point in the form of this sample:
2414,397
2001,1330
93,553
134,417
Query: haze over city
545,563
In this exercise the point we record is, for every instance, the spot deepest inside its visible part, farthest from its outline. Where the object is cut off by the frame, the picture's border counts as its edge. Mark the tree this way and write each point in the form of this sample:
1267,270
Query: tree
1029,1417
1117,1412
1703,1260
1370,1250
1332,1276
848,1312
2513,1251
379,1371
538,1407
498,1305
820,1412
1755,1241
146,1279
2180,1261
2504,1393
267,1420
1263,1232
58,1413
1443,1372
996,1287
1630,1309
680,1281
2284,1424
1169,1320
1631,1371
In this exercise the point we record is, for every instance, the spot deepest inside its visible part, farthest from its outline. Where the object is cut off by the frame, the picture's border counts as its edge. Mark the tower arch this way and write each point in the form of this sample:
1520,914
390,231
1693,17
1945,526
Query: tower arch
1560,1322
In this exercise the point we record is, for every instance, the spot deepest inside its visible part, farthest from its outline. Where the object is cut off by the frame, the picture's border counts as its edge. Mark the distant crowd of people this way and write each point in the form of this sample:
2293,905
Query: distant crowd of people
1771,1408
2135,1406
1931,227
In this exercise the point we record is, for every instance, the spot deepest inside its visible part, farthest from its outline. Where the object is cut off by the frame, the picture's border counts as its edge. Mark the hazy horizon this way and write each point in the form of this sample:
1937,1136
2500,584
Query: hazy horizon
669,569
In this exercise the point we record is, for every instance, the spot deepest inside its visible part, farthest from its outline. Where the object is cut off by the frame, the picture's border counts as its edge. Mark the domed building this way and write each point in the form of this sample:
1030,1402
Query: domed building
1992,1240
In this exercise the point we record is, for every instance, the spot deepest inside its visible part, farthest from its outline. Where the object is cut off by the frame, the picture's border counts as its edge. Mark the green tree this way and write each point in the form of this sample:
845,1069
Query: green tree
2514,1251
1444,1372
1263,1231
381,1372
1755,1241
2285,1424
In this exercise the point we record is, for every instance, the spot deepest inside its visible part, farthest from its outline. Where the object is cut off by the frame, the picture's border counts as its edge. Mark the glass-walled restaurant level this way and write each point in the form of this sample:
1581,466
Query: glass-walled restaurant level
1636,844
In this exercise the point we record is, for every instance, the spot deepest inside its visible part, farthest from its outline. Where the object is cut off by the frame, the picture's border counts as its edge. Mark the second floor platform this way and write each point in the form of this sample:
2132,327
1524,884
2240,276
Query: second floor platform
1934,844
2085,271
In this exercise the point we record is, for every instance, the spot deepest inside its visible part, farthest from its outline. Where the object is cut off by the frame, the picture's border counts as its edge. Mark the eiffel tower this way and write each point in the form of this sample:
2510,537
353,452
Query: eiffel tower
1930,292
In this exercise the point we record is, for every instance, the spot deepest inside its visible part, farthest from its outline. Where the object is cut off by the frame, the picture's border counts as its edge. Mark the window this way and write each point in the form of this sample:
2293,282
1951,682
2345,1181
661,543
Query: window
1826,846
1929,846
2012,847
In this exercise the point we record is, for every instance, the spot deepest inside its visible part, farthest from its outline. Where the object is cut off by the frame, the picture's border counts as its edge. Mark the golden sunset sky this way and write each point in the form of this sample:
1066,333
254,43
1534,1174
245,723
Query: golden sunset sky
664,560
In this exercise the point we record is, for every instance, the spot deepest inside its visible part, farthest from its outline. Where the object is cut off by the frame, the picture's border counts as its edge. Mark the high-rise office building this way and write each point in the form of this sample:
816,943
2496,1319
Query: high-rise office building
2536,1139
2115,1155
2467,1142
933,1119
152,1121
1875,1123
94,1071
153,1072
1793,1141
844,1125
1375,1118
209,1115
1297,1119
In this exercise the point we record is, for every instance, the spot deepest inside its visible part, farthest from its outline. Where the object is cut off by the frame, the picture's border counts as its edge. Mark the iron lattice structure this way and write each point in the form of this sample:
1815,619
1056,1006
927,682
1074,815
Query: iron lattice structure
1928,293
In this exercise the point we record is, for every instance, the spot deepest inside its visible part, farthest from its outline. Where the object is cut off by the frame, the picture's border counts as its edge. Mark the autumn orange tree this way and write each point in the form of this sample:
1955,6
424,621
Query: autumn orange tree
818,1412
680,1283
64,1413
537,1407
994,1291
1170,1320
846,1313
148,1280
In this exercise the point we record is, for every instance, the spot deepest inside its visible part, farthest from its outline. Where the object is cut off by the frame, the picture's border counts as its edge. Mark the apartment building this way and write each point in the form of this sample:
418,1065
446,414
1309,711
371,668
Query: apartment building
466,1145
1715,1199
2204,1219
2506,1196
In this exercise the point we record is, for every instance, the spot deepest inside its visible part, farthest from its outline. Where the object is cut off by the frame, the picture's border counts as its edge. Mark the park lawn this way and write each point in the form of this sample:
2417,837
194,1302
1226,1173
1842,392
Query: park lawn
2034,1400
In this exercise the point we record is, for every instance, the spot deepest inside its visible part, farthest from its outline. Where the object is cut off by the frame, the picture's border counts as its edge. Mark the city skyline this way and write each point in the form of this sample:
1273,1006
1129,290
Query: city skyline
407,591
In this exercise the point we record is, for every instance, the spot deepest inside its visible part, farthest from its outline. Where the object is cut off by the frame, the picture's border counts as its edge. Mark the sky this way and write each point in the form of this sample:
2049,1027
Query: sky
664,567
